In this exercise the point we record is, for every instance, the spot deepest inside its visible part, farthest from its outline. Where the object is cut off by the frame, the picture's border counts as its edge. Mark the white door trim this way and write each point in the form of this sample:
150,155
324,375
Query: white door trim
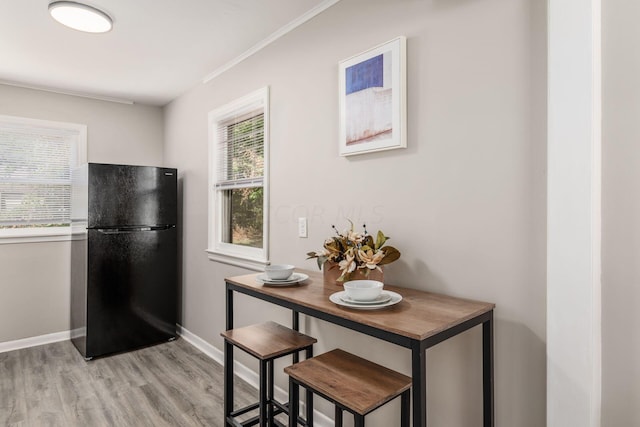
574,214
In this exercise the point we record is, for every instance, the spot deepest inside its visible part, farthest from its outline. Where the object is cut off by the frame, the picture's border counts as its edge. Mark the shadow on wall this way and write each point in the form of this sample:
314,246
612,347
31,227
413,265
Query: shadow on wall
417,275
454,369
523,356
451,4
455,378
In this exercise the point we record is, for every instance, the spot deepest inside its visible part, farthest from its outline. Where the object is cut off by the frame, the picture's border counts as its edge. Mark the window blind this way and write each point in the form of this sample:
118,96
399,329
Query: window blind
240,151
35,174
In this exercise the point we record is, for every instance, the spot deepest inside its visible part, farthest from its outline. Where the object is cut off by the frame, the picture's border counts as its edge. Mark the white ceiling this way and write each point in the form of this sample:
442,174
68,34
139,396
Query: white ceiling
157,50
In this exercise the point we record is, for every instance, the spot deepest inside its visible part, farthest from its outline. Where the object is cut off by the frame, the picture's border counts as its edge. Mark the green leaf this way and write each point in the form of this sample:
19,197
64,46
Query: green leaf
390,254
312,255
321,260
380,239
368,241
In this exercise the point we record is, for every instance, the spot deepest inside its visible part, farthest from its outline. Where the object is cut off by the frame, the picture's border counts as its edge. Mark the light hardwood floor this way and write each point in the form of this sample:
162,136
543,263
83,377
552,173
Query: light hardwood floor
170,384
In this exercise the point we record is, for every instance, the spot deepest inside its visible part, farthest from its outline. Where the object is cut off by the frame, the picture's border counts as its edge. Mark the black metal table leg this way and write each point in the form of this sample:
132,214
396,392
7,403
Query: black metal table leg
229,307
228,381
228,359
295,320
295,325
487,372
293,403
419,384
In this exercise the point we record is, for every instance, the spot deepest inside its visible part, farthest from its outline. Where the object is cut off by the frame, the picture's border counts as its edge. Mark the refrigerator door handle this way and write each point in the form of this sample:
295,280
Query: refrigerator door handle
120,230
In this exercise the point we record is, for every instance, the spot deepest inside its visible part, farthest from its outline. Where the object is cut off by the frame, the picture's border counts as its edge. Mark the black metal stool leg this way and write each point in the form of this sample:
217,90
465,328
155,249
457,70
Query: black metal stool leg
293,403
358,420
263,393
270,407
405,405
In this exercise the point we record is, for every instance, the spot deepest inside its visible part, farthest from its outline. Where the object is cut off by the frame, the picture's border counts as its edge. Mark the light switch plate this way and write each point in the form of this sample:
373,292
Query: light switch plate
302,227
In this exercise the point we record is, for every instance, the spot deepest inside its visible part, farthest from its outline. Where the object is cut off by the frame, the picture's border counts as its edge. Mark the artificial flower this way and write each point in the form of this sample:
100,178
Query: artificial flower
348,264
353,250
371,259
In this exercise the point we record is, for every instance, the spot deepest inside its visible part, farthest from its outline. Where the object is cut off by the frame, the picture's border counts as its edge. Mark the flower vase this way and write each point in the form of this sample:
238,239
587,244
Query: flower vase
331,273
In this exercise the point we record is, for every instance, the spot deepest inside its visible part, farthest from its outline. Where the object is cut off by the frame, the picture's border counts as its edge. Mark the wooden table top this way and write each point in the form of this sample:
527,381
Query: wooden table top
419,315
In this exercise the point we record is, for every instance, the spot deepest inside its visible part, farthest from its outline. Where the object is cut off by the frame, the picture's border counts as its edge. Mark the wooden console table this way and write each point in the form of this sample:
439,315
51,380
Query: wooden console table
420,321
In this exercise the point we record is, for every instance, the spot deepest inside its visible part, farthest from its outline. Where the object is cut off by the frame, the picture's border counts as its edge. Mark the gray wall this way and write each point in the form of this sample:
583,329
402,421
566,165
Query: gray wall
34,290
620,214
465,202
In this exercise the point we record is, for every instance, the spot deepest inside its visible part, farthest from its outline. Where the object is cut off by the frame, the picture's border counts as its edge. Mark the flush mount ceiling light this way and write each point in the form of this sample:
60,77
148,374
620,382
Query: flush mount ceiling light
80,16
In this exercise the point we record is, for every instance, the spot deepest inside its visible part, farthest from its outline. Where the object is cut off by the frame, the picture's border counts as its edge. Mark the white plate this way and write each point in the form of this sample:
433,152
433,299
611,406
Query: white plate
337,299
382,298
295,278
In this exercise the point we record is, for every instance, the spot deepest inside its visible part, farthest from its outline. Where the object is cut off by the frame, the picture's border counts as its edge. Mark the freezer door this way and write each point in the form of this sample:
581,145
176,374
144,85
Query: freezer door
131,289
121,195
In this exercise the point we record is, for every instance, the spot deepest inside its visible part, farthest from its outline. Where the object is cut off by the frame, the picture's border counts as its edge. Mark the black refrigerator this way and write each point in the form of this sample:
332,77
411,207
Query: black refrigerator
123,257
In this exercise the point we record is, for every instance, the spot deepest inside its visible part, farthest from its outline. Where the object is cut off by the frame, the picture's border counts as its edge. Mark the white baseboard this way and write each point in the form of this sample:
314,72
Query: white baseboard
34,341
238,368
248,375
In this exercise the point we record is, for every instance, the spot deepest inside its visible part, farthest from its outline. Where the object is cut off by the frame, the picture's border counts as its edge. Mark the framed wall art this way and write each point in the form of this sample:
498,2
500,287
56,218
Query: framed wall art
373,99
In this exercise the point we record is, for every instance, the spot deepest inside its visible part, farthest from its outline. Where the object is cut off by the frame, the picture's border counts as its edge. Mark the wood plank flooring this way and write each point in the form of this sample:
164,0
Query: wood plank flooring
170,384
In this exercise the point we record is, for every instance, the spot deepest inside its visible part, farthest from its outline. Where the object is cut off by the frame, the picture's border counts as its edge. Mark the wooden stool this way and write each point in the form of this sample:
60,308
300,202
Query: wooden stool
267,342
350,383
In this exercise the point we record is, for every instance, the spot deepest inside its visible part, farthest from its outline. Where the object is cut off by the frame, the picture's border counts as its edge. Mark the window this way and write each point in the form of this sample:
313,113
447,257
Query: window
238,214
36,158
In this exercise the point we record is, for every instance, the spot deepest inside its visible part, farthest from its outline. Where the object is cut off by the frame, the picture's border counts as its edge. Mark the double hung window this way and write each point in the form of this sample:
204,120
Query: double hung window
36,159
238,181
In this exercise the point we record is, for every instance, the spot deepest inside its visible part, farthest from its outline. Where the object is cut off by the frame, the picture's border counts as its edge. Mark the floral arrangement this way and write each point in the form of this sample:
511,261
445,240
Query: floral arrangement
353,251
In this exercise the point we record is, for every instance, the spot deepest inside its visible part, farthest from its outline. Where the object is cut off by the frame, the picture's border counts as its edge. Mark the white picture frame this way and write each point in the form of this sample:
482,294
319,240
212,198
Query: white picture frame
373,99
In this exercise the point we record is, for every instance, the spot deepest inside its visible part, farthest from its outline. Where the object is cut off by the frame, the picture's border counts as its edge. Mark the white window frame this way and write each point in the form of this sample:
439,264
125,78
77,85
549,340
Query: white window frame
228,253
45,234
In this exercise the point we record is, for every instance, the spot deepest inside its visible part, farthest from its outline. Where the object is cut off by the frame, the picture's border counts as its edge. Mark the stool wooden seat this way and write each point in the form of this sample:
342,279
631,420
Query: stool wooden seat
350,382
266,342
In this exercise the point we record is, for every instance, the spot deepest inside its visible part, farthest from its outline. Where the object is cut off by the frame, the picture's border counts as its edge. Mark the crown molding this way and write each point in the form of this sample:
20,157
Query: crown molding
273,37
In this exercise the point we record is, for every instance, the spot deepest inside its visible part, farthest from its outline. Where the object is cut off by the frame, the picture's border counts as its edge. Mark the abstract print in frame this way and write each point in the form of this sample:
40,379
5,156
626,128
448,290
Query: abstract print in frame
373,99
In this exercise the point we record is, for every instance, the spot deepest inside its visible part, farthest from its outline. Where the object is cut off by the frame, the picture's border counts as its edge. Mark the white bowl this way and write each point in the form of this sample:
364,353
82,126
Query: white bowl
363,290
279,271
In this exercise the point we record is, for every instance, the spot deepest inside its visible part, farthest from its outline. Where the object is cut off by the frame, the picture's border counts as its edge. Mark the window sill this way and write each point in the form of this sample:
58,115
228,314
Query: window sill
237,260
10,236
